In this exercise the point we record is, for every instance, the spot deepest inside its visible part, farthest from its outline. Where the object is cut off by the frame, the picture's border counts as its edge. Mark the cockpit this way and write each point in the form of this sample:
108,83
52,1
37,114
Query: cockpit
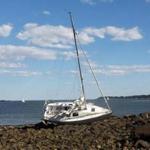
57,108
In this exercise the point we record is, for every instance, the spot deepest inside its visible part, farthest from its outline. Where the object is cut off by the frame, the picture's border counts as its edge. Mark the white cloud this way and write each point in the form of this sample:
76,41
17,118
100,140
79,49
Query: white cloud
11,65
62,37
109,70
117,69
20,73
47,35
85,38
68,54
122,69
147,1
117,34
92,64
120,34
14,52
148,51
75,72
46,12
5,30
92,2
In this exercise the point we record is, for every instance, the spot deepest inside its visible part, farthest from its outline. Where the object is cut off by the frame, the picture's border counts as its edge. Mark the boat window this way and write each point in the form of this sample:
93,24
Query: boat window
50,108
93,109
75,114
66,108
58,108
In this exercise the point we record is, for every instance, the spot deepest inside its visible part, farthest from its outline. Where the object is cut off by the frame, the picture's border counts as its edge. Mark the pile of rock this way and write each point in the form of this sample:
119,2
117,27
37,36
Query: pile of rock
128,132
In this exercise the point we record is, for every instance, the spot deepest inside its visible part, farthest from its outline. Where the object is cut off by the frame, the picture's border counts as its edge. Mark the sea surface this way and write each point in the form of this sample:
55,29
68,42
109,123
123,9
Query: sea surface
28,112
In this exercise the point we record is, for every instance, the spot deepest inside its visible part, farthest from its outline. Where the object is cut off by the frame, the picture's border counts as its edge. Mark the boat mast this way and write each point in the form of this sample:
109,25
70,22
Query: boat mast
77,52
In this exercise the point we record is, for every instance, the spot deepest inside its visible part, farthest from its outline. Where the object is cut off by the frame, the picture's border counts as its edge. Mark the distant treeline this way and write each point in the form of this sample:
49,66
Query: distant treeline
131,97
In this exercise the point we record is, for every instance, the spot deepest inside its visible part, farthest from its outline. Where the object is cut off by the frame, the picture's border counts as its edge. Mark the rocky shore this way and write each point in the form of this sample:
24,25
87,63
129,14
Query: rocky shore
113,133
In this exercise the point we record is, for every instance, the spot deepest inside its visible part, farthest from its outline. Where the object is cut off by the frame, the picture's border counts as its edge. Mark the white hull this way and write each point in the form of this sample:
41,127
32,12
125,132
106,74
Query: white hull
77,121
84,116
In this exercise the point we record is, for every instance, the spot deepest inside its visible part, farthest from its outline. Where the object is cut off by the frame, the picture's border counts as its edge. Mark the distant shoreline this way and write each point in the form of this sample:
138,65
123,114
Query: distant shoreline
131,97
109,97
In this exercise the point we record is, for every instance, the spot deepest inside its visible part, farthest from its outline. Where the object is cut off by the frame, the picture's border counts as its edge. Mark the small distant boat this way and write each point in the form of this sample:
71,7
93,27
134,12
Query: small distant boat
78,111
23,100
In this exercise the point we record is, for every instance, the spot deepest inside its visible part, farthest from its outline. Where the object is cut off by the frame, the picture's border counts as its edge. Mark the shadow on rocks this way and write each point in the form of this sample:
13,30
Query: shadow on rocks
38,126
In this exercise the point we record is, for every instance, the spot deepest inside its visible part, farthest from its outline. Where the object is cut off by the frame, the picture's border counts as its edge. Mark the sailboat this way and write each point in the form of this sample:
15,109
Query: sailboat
78,111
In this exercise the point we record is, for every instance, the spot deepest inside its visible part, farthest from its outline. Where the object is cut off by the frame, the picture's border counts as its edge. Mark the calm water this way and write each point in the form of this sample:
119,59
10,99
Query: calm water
17,112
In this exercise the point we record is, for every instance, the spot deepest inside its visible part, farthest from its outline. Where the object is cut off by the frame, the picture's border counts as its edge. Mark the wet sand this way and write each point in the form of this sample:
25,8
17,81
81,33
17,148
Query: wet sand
111,133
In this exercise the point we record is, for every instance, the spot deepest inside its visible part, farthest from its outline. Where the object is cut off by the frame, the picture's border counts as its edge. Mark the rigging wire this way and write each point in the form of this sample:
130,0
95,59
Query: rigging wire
97,83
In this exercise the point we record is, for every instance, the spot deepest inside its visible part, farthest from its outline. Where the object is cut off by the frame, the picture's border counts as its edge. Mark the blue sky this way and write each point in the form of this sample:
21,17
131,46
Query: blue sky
37,57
